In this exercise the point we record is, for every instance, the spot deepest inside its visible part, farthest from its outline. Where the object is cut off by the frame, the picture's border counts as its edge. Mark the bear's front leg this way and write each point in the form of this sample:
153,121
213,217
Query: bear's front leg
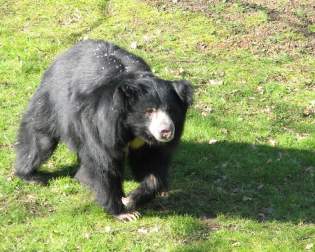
151,185
110,194
106,182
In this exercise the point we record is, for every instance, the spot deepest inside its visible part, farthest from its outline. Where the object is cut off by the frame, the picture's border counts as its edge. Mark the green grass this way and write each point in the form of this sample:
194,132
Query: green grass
250,190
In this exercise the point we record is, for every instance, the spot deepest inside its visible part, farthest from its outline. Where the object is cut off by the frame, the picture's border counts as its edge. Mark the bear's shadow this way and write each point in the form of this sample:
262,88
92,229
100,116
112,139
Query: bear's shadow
259,182
44,177
236,179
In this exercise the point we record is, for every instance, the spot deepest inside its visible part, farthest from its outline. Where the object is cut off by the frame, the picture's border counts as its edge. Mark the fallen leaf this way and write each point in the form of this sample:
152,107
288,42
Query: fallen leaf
154,229
224,131
309,110
260,90
246,198
87,235
164,194
309,246
269,161
236,244
215,82
205,109
309,169
107,229
259,187
134,45
143,230
272,142
146,38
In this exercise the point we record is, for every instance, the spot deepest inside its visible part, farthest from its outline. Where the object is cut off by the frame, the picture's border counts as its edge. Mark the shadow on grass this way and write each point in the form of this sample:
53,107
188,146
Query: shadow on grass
238,179
44,177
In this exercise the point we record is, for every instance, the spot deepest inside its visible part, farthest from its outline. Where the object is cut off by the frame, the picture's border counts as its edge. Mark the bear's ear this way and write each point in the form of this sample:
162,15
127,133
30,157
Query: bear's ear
125,96
184,90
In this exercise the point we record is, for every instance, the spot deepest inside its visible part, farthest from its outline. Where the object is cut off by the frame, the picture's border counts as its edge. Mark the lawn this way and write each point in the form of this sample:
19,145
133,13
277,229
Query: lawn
243,178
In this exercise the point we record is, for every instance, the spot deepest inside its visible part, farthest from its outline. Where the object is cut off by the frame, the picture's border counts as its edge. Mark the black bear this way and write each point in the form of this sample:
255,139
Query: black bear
105,104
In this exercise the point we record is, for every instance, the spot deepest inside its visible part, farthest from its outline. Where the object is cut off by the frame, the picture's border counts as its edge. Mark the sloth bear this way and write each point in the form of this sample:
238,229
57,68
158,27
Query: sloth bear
106,105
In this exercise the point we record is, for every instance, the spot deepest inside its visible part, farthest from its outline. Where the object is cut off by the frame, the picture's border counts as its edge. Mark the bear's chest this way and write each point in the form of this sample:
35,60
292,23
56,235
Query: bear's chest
134,144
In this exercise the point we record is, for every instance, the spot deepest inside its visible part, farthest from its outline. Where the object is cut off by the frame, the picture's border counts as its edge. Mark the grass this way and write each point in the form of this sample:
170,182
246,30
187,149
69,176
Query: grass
243,176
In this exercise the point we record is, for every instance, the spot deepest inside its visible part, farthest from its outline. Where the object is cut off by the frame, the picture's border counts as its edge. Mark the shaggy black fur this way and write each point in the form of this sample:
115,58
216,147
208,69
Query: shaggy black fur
94,98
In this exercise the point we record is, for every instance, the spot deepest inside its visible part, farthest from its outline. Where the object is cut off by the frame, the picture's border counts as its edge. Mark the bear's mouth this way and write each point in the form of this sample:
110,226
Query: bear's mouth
152,140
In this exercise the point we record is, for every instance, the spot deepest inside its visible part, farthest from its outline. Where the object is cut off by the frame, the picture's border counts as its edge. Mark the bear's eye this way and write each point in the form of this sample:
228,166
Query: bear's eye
149,111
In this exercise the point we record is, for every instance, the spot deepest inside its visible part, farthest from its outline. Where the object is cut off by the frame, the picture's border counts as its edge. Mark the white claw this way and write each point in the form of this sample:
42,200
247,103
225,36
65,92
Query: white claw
125,217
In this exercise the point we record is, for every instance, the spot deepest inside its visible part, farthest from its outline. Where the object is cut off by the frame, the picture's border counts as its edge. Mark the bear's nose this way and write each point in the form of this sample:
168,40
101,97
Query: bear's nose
166,133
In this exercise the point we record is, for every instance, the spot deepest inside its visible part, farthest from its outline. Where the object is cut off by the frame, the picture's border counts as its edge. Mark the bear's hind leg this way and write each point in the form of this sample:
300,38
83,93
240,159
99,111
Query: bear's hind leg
32,149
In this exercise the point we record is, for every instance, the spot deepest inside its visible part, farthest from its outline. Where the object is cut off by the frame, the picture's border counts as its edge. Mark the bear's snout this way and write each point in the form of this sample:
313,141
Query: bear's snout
161,126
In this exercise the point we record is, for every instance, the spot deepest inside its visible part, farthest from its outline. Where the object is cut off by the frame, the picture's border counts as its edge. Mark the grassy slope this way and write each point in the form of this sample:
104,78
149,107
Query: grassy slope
251,190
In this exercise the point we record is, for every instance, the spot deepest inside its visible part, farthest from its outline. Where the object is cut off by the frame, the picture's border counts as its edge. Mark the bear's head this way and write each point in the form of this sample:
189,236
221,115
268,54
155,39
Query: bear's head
154,109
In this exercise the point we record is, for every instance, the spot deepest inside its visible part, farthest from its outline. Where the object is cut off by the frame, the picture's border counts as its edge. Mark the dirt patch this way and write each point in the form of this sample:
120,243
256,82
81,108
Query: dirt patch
264,27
